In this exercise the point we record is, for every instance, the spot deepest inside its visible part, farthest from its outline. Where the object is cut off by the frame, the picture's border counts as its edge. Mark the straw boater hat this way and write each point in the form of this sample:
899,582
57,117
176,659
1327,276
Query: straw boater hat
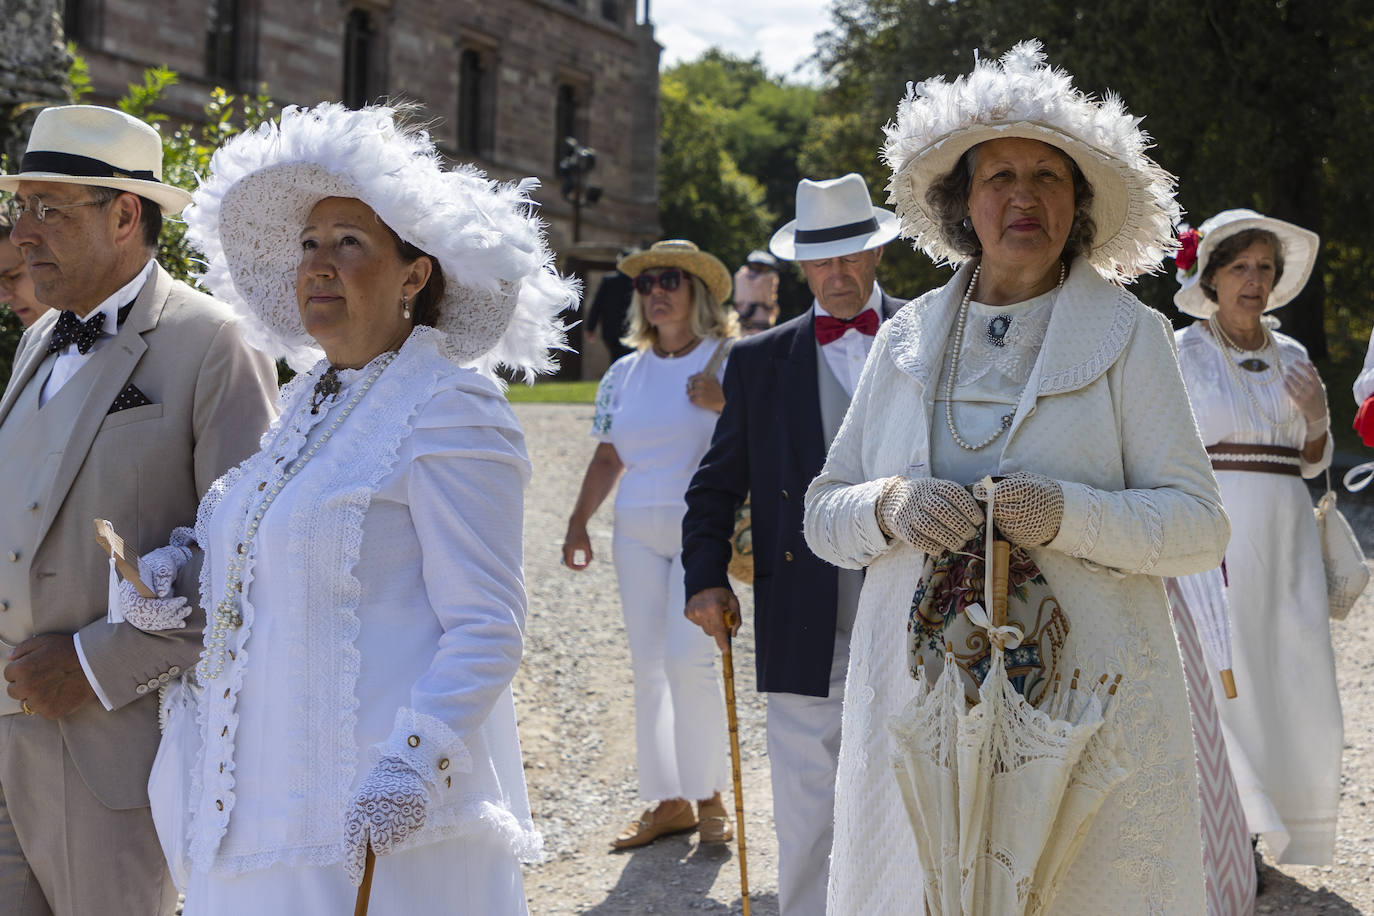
685,255
835,217
90,145
1299,254
501,296
1022,96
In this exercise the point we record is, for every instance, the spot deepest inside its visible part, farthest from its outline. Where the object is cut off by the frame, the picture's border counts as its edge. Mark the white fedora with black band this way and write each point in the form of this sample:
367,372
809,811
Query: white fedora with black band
101,147
835,217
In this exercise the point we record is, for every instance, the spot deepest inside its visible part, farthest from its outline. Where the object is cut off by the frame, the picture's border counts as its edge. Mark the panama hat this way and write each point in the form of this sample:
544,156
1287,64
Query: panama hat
1020,95
685,255
102,147
835,217
1299,254
502,296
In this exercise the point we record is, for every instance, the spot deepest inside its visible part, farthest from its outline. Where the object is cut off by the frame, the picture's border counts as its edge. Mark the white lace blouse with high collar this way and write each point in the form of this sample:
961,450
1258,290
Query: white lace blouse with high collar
383,613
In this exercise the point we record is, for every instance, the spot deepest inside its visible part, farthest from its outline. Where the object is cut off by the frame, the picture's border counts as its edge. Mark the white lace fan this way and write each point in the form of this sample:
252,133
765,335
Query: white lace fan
1002,795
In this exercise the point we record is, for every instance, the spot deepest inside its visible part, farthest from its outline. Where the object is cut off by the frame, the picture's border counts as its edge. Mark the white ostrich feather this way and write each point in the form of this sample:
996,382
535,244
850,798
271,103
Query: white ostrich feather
1022,95
503,296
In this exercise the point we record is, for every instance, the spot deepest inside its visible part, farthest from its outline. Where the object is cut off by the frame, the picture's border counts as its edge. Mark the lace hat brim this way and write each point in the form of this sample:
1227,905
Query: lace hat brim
1299,256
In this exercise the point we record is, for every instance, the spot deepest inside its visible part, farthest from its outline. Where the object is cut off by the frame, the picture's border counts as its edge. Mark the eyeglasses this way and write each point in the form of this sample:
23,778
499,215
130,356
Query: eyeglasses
16,208
669,279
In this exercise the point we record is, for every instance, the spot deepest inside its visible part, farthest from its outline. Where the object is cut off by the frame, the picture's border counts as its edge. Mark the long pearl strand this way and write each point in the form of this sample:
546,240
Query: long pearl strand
1224,341
954,366
228,616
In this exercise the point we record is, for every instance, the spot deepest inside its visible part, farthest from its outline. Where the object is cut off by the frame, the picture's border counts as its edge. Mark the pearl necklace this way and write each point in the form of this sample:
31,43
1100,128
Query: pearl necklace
1220,337
954,366
228,616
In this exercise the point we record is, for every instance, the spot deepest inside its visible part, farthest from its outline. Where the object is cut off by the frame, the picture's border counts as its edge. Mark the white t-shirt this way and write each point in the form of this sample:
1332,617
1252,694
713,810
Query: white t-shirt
642,409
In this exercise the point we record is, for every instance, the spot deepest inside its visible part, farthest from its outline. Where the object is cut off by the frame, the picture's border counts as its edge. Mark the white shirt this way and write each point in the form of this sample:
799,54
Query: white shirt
846,356
642,409
70,360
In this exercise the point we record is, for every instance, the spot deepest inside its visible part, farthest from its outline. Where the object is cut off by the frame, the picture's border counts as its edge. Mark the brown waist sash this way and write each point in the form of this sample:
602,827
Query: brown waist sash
1263,459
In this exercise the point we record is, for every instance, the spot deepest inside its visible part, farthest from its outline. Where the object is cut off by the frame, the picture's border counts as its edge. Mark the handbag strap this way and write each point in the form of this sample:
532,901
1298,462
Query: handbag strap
718,357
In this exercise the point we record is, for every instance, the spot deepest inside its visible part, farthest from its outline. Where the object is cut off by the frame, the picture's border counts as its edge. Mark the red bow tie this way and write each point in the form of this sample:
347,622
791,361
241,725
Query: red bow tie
829,328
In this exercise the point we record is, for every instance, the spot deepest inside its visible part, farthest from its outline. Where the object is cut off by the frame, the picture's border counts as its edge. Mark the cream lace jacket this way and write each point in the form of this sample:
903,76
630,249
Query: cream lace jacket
1105,413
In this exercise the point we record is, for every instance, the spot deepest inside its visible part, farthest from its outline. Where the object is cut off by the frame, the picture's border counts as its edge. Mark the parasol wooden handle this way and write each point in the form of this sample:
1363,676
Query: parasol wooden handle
1001,581
1228,682
365,889
125,557
728,662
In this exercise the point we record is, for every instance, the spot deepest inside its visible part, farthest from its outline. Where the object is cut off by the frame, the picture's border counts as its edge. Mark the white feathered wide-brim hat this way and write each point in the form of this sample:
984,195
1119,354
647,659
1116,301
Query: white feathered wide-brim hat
1020,95
835,217
502,296
101,147
1299,254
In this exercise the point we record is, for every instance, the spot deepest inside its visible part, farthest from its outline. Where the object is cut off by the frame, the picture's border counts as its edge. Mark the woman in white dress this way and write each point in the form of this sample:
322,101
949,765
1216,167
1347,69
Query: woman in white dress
1262,412
363,571
655,411
1033,364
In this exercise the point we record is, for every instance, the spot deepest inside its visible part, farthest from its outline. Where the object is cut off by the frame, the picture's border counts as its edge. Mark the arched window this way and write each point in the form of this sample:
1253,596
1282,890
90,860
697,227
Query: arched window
564,119
360,41
222,41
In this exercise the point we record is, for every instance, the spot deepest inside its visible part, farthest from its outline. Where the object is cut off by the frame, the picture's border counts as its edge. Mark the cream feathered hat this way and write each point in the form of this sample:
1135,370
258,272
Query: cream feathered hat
502,296
1023,96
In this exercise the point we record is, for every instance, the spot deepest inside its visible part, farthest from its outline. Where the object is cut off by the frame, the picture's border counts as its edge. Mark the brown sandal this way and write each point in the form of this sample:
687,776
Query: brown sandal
644,831
713,825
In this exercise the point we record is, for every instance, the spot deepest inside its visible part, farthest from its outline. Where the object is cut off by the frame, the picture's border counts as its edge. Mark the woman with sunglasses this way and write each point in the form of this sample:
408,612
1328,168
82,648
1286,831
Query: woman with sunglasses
655,411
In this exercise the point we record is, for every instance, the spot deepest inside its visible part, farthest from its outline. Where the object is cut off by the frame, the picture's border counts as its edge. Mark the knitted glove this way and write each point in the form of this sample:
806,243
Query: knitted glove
930,514
1028,509
1305,387
158,570
390,805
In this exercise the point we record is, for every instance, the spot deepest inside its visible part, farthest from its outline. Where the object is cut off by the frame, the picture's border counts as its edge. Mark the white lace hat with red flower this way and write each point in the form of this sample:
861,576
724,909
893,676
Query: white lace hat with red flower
1299,254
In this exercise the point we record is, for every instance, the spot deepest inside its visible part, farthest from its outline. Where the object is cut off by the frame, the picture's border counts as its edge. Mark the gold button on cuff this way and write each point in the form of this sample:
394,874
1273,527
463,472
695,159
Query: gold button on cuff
141,689
219,804
413,741
174,670
787,555
14,556
785,495
443,764
4,605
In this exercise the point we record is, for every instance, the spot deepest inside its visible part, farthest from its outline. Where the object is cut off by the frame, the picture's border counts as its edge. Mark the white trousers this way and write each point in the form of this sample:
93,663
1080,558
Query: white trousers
803,754
679,710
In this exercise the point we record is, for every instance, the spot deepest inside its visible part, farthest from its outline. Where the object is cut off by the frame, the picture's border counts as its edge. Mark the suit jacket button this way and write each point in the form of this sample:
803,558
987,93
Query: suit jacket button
787,555
153,683
785,495
141,689
163,678
174,670
14,556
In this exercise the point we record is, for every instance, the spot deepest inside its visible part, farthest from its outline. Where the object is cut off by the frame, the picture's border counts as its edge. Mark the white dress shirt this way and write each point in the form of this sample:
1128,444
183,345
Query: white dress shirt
70,360
847,354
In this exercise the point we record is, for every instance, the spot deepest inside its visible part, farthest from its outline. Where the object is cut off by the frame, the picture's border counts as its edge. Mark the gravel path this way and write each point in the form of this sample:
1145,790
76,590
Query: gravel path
577,728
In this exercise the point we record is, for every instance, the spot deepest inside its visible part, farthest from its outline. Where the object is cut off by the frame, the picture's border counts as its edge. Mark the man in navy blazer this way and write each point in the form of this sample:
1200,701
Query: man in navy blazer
786,391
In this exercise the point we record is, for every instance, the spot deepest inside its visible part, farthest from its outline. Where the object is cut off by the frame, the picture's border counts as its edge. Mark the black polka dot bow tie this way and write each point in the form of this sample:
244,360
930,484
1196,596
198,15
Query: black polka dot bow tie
72,330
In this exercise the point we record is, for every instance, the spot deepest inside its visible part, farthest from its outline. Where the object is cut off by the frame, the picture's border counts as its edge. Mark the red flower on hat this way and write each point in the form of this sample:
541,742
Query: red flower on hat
1186,256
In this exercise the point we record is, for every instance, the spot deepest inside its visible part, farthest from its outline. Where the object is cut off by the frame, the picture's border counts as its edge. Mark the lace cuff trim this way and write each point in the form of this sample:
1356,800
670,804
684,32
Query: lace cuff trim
426,745
1082,521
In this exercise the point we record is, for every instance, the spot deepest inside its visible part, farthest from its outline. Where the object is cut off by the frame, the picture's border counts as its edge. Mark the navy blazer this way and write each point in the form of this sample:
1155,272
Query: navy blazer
769,443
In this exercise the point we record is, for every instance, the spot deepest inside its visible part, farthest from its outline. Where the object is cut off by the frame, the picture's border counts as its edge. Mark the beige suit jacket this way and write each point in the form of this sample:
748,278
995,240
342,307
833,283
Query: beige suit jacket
144,468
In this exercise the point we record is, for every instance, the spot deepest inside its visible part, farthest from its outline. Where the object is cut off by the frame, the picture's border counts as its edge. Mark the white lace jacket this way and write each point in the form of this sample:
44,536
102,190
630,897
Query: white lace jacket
1105,413
383,608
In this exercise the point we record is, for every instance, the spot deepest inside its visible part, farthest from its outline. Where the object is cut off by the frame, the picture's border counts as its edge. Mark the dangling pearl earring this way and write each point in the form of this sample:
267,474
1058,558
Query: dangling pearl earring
405,308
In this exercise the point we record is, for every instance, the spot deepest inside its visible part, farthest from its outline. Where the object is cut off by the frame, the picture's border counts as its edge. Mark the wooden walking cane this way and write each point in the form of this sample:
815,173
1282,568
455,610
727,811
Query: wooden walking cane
365,889
731,620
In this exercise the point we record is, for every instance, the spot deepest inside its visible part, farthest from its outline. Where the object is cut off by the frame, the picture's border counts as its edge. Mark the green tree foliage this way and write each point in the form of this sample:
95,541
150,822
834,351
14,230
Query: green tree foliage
728,167
1252,103
186,152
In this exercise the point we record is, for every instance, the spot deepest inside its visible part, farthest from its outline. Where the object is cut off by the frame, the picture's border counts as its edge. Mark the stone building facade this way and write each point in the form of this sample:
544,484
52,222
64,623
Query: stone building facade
503,80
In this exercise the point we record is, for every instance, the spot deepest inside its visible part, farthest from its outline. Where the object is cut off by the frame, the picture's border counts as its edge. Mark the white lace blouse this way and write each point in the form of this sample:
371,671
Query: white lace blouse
383,608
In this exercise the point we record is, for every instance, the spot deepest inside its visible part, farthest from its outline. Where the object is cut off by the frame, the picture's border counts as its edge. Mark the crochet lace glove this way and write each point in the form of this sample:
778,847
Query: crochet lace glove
930,514
389,806
1028,509
158,570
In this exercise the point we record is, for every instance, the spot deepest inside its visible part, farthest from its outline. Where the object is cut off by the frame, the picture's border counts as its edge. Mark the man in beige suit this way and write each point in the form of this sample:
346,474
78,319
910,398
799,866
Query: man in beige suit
126,402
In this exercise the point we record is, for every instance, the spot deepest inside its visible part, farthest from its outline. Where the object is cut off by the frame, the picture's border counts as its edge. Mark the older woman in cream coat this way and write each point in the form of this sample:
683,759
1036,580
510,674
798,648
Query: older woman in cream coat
1102,418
